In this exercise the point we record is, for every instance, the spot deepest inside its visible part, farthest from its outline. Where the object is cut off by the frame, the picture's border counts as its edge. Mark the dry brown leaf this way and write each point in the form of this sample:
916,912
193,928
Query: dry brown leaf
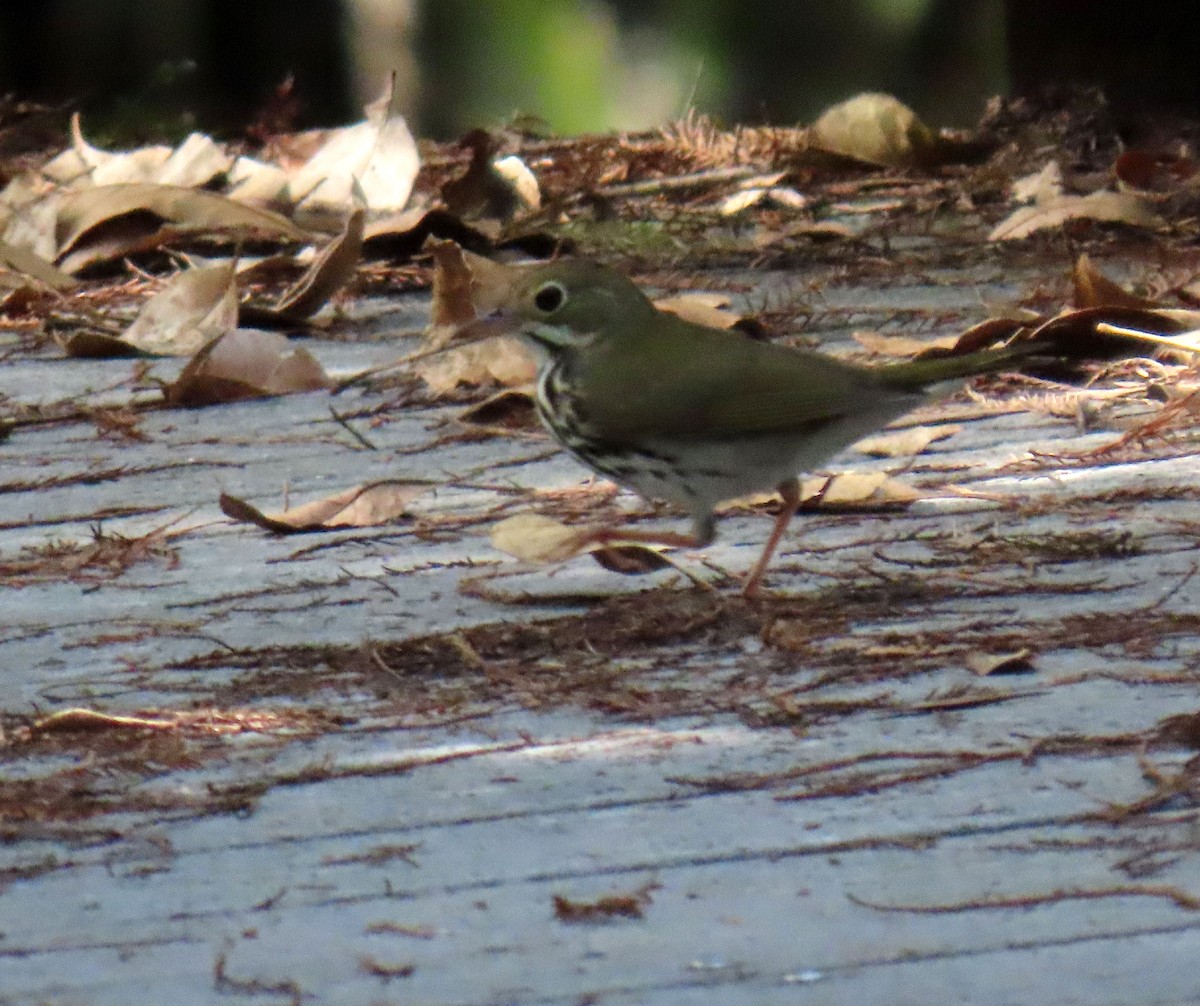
1103,207
632,559
992,331
1077,333
331,270
632,905
452,303
31,212
542,540
461,282
196,162
257,183
815,230
875,128
193,307
511,408
496,188
1039,187
378,157
83,164
709,309
246,363
108,220
763,190
361,506
534,538
901,345
504,361
34,267
1094,289
858,489
81,720
904,443
984,664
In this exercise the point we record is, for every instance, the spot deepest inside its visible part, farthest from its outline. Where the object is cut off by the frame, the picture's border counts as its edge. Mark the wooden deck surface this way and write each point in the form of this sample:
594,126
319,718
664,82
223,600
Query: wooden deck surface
568,786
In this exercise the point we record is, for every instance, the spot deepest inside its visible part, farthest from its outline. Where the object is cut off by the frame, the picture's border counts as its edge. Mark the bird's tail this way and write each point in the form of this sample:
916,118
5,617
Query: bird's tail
924,374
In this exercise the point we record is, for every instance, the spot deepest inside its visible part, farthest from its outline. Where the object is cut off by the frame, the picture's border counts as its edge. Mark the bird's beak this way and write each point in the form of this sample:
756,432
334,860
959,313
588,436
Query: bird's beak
495,323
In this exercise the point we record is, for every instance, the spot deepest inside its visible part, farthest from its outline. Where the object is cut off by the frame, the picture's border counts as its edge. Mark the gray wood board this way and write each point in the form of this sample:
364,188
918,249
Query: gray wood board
778,789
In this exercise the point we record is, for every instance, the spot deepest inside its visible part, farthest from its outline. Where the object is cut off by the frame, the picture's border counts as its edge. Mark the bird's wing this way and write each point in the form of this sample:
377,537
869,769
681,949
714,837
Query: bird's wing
686,382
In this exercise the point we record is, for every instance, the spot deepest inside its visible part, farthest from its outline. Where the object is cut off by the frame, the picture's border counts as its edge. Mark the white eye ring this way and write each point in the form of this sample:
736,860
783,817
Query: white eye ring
550,297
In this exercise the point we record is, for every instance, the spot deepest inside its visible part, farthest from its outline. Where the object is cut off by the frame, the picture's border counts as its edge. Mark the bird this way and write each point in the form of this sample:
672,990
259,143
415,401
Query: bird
693,415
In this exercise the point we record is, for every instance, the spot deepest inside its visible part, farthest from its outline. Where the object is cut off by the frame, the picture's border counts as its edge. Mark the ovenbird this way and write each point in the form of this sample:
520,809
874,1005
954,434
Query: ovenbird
690,414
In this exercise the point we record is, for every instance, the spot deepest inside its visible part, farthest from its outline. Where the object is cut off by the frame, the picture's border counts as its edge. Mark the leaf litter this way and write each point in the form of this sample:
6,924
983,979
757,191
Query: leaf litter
663,194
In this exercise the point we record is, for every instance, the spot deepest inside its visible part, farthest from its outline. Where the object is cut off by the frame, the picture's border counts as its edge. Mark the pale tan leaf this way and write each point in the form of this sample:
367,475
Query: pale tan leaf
1103,207
31,219
378,156
361,506
858,489
503,360
182,208
1039,187
195,162
875,128
85,165
815,230
701,308
782,196
259,184
741,201
901,345
491,281
246,363
192,308
534,538
524,182
904,443
35,267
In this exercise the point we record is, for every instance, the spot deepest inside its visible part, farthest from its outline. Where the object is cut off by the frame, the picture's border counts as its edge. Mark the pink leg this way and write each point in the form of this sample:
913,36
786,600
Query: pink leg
790,491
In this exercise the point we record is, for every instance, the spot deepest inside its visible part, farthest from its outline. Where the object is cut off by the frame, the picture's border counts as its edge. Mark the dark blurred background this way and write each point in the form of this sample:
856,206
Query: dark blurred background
139,68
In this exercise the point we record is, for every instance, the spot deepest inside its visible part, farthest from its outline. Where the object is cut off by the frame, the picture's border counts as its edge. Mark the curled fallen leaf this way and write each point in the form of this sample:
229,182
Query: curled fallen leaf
510,408
1093,289
538,539
535,538
985,664
857,489
194,307
1102,207
875,128
360,506
81,720
709,309
331,270
246,363
904,443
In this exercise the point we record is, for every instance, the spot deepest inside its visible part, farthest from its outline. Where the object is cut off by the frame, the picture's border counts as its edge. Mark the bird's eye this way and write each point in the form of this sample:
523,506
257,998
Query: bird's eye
549,298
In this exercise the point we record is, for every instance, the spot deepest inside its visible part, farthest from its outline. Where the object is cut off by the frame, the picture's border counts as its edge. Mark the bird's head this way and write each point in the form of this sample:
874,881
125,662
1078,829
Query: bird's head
569,305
